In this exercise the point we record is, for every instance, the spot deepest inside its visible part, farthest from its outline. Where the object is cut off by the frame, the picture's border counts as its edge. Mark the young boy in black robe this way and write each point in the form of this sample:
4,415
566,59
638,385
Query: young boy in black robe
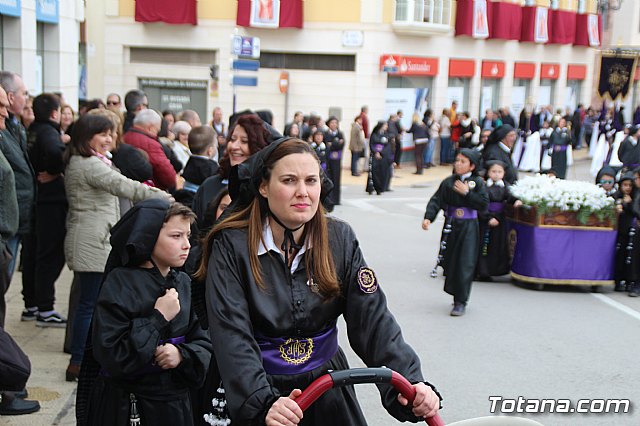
146,339
201,164
494,249
626,263
461,196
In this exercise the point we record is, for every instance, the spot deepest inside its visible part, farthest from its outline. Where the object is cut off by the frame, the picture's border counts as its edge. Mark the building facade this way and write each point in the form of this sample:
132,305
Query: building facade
40,41
387,54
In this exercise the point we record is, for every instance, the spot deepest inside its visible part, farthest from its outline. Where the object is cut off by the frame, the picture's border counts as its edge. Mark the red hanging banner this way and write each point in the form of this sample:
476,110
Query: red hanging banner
270,13
563,27
167,11
506,20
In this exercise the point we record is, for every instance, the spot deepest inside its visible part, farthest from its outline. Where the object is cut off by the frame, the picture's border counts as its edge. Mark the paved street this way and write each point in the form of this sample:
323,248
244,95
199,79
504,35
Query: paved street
514,341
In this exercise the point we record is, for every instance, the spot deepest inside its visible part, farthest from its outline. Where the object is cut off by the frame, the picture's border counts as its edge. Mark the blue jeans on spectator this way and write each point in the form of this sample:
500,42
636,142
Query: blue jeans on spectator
13,244
445,149
355,156
428,152
89,283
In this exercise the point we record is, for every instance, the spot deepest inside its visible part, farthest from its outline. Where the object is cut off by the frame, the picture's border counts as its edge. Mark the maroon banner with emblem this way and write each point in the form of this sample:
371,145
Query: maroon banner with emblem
167,11
291,13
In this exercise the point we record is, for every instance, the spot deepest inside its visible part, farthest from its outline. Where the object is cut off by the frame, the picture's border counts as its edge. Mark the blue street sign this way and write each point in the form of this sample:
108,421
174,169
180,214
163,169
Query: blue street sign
245,65
240,80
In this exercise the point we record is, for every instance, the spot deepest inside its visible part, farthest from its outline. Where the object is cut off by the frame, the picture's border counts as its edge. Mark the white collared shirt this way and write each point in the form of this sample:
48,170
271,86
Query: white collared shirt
504,148
490,183
270,245
465,176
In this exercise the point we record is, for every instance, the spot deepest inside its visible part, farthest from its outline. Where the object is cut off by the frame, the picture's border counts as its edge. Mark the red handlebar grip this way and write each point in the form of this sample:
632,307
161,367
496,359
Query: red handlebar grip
314,391
403,386
324,383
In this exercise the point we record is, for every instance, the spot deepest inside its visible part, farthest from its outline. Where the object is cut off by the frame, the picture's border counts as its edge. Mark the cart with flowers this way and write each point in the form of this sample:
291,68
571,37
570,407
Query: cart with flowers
563,234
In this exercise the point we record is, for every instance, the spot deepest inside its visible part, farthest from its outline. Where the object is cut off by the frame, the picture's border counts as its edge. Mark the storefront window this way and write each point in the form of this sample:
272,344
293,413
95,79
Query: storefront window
519,95
490,96
458,91
573,94
546,92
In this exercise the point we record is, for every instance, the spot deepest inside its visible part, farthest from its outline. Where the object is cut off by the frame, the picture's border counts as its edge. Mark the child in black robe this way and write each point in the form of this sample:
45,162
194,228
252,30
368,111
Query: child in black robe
150,349
461,196
627,229
494,249
200,165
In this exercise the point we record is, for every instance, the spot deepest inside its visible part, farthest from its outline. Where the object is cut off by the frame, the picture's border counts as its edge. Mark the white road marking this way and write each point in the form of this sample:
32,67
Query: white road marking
617,305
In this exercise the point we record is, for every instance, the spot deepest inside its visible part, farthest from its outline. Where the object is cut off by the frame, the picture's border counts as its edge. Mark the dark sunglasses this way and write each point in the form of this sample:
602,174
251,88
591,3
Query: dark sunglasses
113,103
604,182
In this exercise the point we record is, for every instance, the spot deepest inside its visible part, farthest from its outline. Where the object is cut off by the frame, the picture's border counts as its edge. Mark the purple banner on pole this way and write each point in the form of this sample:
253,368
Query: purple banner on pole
562,254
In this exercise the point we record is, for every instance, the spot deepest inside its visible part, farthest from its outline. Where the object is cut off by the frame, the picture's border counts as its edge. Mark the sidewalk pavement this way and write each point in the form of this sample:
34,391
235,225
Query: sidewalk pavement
44,345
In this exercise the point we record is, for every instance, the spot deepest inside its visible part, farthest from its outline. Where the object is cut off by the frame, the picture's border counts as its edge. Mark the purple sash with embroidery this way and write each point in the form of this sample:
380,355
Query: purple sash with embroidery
378,147
294,355
335,155
496,207
560,148
462,213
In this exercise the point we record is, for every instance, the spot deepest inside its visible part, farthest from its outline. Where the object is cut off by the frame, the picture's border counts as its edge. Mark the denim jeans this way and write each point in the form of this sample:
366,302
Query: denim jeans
89,283
428,152
13,244
355,157
445,149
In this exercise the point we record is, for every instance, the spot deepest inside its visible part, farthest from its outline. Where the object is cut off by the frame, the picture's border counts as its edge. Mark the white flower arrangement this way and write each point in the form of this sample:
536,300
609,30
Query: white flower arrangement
549,193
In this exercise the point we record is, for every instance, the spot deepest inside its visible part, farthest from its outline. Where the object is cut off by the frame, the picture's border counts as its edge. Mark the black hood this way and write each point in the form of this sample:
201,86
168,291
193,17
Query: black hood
134,236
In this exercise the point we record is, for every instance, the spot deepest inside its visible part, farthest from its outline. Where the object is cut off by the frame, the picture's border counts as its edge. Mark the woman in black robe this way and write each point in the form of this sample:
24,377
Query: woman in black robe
131,370
380,159
559,142
248,135
279,274
334,140
461,196
493,258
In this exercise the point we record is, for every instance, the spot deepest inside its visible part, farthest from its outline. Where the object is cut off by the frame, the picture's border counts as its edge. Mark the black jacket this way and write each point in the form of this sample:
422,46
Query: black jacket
14,148
45,152
198,169
495,152
132,163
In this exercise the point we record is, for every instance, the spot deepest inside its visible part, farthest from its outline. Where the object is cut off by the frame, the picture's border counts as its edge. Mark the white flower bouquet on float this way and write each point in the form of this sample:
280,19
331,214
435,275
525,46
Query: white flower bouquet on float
551,201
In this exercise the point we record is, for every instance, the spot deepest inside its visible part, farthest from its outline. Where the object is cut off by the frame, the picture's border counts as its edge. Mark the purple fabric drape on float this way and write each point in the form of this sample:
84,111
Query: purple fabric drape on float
563,253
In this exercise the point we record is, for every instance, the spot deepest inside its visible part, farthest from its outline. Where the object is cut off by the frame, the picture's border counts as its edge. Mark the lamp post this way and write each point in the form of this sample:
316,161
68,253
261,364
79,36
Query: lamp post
607,5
